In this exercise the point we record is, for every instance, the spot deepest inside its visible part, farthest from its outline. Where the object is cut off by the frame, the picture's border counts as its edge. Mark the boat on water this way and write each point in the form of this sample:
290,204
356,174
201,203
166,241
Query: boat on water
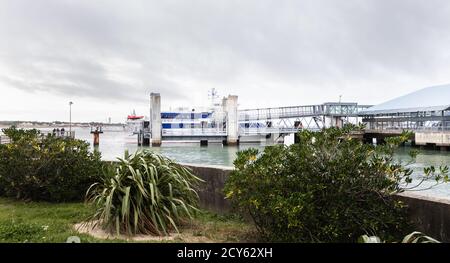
207,121
181,118
134,117
134,122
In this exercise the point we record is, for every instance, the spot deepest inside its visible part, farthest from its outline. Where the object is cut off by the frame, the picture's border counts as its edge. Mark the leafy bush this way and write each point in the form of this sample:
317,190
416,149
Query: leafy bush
46,168
144,193
328,188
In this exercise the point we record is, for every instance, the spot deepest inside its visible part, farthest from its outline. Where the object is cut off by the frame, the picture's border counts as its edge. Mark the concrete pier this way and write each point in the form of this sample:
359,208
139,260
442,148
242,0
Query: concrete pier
334,121
232,120
378,136
438,138
155,119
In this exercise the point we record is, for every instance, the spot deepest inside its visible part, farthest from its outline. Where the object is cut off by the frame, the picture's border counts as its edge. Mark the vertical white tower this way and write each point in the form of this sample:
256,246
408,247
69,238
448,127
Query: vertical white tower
155,119
232,120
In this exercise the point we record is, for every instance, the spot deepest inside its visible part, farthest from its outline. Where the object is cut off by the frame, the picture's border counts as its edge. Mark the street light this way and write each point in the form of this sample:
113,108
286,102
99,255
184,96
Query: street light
70,119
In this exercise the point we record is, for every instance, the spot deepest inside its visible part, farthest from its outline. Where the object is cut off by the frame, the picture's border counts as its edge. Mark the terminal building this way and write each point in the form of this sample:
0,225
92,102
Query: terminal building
426,112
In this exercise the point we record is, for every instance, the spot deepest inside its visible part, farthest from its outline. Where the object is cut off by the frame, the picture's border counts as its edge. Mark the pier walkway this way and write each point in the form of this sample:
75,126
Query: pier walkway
425,112
266,121
250,124
341,109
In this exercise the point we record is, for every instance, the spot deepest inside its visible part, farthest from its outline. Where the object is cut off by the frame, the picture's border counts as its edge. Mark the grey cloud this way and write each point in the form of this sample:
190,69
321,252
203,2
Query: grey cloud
64,47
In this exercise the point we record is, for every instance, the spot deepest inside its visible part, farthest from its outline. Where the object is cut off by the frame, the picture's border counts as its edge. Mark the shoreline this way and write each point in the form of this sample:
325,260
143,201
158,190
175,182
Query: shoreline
58,125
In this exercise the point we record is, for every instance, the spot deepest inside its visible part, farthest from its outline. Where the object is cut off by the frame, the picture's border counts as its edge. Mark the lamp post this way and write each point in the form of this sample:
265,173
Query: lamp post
70,118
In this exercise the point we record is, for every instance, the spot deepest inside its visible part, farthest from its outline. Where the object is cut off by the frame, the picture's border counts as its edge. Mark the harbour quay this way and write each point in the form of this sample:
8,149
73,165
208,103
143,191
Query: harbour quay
425,113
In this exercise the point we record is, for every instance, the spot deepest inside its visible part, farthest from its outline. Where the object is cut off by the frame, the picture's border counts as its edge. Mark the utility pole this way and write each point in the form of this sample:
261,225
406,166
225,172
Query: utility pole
70,118
213,94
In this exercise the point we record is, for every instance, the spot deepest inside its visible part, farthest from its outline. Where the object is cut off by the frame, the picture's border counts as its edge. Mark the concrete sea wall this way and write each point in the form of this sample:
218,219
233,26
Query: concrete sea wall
211,192
437,138
430,215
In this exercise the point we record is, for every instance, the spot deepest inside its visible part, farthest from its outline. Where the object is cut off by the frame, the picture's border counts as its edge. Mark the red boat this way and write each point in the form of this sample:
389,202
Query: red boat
133,116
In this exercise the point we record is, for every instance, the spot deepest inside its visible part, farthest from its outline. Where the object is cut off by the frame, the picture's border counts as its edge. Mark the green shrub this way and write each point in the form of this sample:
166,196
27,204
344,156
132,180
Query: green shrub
46,168
327,188
144,193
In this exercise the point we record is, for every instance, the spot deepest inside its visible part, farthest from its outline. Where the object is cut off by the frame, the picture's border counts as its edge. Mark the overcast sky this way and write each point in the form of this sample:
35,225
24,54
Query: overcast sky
107,56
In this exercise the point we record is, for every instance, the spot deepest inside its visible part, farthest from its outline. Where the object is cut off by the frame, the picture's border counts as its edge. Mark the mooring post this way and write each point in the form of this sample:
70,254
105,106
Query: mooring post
232,120
139,138
155,119
96,139
96,133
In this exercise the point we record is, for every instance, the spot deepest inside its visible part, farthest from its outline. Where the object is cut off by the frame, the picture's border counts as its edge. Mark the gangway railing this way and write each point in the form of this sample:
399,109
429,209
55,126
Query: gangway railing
399,128
327,109
275,130
280,112
210,132
242,131
193,132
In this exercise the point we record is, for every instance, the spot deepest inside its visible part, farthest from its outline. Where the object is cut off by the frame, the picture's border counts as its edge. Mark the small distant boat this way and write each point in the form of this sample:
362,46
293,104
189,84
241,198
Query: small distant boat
133,116
134,123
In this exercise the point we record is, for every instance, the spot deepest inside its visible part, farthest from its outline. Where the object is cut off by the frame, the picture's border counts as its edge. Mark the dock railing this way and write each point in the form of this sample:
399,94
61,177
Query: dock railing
266,130
66,134
194,132
63,134
388,129
4,139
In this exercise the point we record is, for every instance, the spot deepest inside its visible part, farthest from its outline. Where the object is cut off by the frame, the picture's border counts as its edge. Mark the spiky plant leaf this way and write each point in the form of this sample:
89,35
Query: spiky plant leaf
144,193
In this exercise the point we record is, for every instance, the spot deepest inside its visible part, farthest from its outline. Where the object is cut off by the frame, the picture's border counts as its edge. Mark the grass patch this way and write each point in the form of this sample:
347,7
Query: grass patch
222,228
39,222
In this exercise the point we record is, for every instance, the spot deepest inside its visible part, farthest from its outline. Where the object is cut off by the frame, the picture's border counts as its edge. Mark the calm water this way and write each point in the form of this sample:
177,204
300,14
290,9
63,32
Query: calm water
115,140
424,159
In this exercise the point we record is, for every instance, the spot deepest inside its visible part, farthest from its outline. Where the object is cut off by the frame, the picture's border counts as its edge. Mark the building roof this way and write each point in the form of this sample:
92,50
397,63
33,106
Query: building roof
436,98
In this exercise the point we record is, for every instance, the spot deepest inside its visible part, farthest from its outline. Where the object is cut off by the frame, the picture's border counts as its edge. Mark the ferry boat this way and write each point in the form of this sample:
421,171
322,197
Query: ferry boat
180,118
200,120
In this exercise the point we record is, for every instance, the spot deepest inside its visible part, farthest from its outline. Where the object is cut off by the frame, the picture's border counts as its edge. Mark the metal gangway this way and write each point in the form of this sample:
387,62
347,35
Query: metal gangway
326,109
276,120
294,118
229,124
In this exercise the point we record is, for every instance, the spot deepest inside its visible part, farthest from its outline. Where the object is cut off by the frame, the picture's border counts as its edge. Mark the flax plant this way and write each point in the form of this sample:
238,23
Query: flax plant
144,193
